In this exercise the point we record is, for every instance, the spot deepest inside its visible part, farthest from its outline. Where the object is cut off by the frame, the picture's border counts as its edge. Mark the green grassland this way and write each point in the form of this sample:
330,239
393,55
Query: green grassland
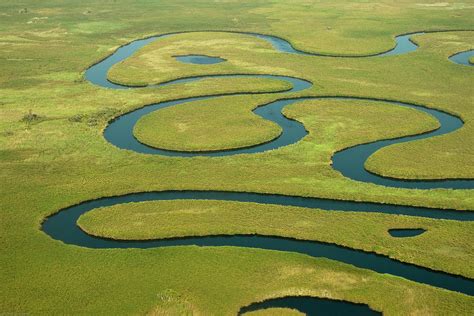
274,311
165,219
60,157
186,126
215,124
421,77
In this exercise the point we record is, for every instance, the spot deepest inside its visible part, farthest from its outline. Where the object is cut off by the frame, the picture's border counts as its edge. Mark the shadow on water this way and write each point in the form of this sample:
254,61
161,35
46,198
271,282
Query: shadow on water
313,306
199,59
405,232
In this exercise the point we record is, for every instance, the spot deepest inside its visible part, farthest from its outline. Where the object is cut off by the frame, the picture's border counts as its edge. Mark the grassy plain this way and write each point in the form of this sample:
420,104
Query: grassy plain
62,158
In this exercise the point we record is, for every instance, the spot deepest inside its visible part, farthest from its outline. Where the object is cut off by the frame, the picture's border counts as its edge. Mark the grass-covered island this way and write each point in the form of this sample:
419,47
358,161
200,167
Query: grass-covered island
134,183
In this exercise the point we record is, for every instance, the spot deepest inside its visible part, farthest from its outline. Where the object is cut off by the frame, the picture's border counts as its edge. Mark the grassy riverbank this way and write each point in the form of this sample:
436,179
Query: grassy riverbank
366,231
216,124
53,153
418,77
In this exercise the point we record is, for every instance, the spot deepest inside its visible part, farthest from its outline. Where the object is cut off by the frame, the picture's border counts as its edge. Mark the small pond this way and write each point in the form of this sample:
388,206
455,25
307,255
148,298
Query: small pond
199,59
406,232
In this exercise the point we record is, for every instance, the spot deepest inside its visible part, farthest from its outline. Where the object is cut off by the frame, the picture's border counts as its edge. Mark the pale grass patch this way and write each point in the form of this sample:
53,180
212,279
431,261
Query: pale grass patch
20,59
363,82
289,271
51,33
194,210
341,279
171,303
14,38
37,19
436,4
452,251
275,311
422,94
181,127
49,11
445,5
304,224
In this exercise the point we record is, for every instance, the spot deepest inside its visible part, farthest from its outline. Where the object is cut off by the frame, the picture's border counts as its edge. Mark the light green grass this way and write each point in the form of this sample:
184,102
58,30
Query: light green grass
449,153
227,122
64,159
442,247
417,77
215,124
274,312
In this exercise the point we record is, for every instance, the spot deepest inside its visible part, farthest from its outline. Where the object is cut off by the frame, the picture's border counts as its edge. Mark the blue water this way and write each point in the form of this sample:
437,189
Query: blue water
350,162
405,232
404,45
120,131
462,58
313,306
62,226
199,59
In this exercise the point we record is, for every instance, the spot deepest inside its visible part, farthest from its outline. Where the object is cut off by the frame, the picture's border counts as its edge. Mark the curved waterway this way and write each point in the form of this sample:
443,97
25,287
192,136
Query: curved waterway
350,162
62,226
462,58
313,306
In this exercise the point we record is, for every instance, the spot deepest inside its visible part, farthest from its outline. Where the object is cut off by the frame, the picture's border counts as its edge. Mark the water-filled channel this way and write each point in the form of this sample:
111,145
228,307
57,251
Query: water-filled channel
350,162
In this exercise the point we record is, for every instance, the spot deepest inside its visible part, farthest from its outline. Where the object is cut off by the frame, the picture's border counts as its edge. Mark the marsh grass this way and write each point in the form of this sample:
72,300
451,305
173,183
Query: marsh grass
94,119
216,124
275,311
442,247
418,77
58,163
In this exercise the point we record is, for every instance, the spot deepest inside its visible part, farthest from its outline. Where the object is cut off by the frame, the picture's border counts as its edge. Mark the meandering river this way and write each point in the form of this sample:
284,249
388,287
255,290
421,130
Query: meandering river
350,162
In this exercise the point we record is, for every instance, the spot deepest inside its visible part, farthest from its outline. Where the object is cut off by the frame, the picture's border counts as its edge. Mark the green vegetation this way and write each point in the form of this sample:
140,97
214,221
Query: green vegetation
172,303
215,124
63,159
30,118
455,147
274,312
442,247
417,77
193,126
93,119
